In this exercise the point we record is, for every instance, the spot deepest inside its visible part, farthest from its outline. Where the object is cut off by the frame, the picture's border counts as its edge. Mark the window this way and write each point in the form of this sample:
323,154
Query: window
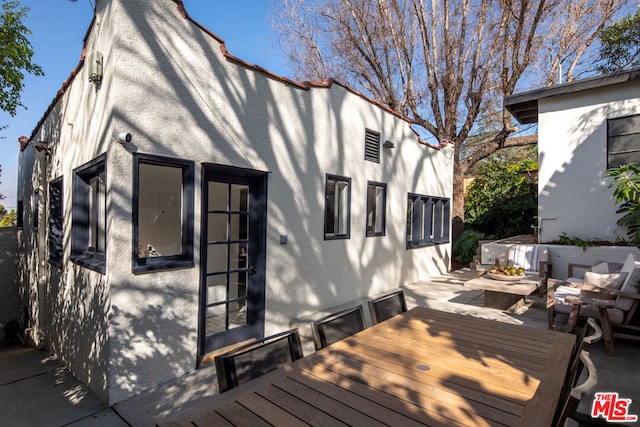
337,211
372,146
376,208
36,209
623,141
20,215
55,222
89,210
162,213
427,221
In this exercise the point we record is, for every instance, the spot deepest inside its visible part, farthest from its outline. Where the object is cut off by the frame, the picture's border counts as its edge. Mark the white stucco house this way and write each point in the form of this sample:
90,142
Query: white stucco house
584,128
174,200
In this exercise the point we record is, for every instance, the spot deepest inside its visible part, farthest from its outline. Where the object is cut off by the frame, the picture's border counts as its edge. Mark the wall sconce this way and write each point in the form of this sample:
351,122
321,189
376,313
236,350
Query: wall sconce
123,137
388,145
95,67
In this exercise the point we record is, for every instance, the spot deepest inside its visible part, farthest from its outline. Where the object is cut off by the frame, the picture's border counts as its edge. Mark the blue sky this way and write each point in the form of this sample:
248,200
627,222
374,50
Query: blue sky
58,27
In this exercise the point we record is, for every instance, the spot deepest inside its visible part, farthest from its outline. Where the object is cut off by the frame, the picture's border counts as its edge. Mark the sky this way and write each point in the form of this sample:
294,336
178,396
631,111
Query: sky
58,28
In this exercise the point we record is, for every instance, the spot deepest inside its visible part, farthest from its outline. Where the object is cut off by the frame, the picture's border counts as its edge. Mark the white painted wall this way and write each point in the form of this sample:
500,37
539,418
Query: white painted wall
168,84
572,146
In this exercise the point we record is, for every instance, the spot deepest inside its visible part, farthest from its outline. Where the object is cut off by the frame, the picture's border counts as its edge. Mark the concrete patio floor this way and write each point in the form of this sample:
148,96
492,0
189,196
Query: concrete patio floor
36,389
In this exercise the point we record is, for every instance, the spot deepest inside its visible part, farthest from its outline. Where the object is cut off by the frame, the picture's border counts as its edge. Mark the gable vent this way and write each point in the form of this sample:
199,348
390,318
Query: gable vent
372,146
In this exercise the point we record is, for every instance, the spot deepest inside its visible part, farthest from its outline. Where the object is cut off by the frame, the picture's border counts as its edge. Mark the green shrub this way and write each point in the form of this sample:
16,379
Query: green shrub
464,248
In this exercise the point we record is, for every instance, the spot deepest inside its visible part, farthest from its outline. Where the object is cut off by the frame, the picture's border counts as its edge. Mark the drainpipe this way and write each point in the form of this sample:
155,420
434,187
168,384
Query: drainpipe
38,335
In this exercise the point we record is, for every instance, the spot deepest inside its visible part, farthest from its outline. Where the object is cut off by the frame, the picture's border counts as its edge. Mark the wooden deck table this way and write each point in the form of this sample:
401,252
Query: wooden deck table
424,367
505,295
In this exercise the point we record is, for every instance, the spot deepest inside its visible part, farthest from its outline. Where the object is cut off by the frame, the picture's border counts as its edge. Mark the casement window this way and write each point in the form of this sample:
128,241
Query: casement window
623,141
56,219
89,211
337,208
162,213
427,220
376,208
36,209
372,146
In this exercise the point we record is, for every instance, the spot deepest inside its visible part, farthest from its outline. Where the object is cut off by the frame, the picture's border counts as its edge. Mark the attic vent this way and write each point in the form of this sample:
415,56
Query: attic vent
372,146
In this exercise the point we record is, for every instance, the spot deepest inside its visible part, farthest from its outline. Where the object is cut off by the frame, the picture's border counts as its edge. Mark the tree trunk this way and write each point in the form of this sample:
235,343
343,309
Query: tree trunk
457,203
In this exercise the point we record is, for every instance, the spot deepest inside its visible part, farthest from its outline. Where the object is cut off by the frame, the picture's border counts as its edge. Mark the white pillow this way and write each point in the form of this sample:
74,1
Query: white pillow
608,280
607,267
631,266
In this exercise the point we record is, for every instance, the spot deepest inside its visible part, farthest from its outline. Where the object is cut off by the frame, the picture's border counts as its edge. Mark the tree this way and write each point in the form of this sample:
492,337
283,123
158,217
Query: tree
620,45
7,219
15,55
445,65
503,200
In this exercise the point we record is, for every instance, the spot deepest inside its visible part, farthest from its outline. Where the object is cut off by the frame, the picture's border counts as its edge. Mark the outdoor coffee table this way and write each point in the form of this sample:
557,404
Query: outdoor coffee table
505,295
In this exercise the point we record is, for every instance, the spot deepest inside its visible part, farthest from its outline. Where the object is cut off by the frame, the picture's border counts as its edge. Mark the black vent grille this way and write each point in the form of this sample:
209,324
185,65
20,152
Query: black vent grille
372,146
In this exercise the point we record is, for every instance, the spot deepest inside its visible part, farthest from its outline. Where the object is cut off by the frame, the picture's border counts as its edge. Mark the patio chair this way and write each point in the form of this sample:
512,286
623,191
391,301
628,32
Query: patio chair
612,298
568,404
257,358
387,305
335,327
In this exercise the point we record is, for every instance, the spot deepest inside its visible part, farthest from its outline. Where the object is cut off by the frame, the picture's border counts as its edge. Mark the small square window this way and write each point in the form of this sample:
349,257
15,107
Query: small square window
337,210
376,208
55,222
89,211
163,213
427,221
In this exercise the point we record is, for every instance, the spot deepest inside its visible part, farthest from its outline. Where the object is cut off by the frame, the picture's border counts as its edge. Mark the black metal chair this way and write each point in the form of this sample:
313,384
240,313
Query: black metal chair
388,305
335,327
257,358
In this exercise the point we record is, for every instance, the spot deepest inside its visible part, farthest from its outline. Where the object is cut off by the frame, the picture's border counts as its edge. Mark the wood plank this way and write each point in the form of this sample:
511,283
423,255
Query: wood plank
210,418
270,412
238,415
299,407
427,412
461,402
336,408
356,401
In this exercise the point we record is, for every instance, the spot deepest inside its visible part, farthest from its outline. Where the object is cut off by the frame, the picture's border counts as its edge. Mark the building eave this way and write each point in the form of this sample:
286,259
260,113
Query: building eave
524,106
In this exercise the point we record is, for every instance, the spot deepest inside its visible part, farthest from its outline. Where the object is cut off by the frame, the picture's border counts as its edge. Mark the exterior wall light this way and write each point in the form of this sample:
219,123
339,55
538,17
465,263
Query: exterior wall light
388,145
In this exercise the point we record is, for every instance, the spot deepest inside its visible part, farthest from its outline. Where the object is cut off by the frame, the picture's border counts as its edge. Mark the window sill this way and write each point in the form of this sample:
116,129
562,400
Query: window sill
151,267
418,245
90,263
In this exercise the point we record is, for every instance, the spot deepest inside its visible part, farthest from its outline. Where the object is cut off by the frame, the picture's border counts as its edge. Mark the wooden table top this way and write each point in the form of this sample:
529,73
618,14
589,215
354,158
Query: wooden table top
424,367
521,287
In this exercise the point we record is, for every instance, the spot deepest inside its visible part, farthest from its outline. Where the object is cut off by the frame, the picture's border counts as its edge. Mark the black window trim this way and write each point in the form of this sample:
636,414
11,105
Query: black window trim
384,210
79,254
610,136
443,222
163,263
334,236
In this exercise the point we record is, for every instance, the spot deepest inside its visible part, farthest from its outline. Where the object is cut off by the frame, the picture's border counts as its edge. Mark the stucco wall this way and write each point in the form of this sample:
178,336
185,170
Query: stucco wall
167,83
572,144
9,294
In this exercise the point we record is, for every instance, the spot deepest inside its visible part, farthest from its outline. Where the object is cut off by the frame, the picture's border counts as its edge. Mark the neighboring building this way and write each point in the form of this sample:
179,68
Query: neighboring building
174,200
584,128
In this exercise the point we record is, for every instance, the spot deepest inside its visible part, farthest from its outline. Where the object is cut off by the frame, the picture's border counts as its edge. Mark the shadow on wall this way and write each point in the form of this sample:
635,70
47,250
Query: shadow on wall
9,293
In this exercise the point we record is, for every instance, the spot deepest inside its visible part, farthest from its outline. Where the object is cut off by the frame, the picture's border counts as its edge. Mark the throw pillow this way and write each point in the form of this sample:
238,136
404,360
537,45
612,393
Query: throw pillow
608,280
632,268
604,267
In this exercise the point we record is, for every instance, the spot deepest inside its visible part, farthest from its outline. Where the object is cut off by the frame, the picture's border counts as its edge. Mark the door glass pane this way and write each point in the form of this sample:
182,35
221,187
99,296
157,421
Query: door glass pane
237,256
237,314
238,282
218,196
239,198
217,258
216,321
217,227
216,288
239,227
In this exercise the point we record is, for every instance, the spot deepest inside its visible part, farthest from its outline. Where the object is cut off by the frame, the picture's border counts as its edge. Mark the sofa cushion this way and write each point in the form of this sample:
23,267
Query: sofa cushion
606,280
631,266
604,267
